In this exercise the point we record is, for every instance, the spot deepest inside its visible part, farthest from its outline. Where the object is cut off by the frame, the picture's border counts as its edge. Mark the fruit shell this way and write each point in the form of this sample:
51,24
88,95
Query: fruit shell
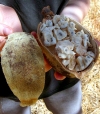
55,62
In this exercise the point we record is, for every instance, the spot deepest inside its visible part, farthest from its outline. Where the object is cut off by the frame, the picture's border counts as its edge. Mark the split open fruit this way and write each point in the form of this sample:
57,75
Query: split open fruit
68,46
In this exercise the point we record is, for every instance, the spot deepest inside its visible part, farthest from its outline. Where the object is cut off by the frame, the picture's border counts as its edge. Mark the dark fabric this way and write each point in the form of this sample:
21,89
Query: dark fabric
4,88
52,85
29,12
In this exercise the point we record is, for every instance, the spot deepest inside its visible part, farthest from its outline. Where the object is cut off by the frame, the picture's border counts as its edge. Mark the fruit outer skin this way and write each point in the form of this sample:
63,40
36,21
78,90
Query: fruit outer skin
23,66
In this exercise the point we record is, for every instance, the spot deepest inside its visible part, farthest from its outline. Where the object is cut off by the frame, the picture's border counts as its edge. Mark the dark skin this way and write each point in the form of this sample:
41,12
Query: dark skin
8,14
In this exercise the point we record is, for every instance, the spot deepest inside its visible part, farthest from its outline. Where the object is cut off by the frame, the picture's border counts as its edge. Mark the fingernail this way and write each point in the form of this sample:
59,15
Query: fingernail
7,31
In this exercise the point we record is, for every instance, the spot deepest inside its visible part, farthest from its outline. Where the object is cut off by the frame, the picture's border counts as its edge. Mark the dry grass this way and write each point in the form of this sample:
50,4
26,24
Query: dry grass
90,84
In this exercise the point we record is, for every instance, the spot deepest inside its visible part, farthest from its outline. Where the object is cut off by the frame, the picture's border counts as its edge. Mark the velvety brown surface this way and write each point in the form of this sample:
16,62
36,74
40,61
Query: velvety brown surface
23,66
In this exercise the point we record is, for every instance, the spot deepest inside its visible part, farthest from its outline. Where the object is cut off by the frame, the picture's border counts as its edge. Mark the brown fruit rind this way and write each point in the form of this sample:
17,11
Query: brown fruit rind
52,56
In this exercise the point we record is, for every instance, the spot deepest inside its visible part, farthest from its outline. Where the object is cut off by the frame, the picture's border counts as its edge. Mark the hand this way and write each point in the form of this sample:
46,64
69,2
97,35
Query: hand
47,66
76,9
4,31
9,22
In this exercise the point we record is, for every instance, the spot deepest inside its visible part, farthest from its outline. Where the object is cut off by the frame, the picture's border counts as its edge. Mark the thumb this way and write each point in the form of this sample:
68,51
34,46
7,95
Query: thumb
5,30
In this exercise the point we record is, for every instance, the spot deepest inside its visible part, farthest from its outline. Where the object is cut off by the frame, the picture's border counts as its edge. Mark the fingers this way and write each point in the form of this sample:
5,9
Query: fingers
34,34
5,30
58,76
47,66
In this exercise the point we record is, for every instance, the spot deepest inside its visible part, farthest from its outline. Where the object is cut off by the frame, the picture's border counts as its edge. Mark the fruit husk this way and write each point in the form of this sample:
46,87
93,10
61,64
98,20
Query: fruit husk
53,59
23,67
